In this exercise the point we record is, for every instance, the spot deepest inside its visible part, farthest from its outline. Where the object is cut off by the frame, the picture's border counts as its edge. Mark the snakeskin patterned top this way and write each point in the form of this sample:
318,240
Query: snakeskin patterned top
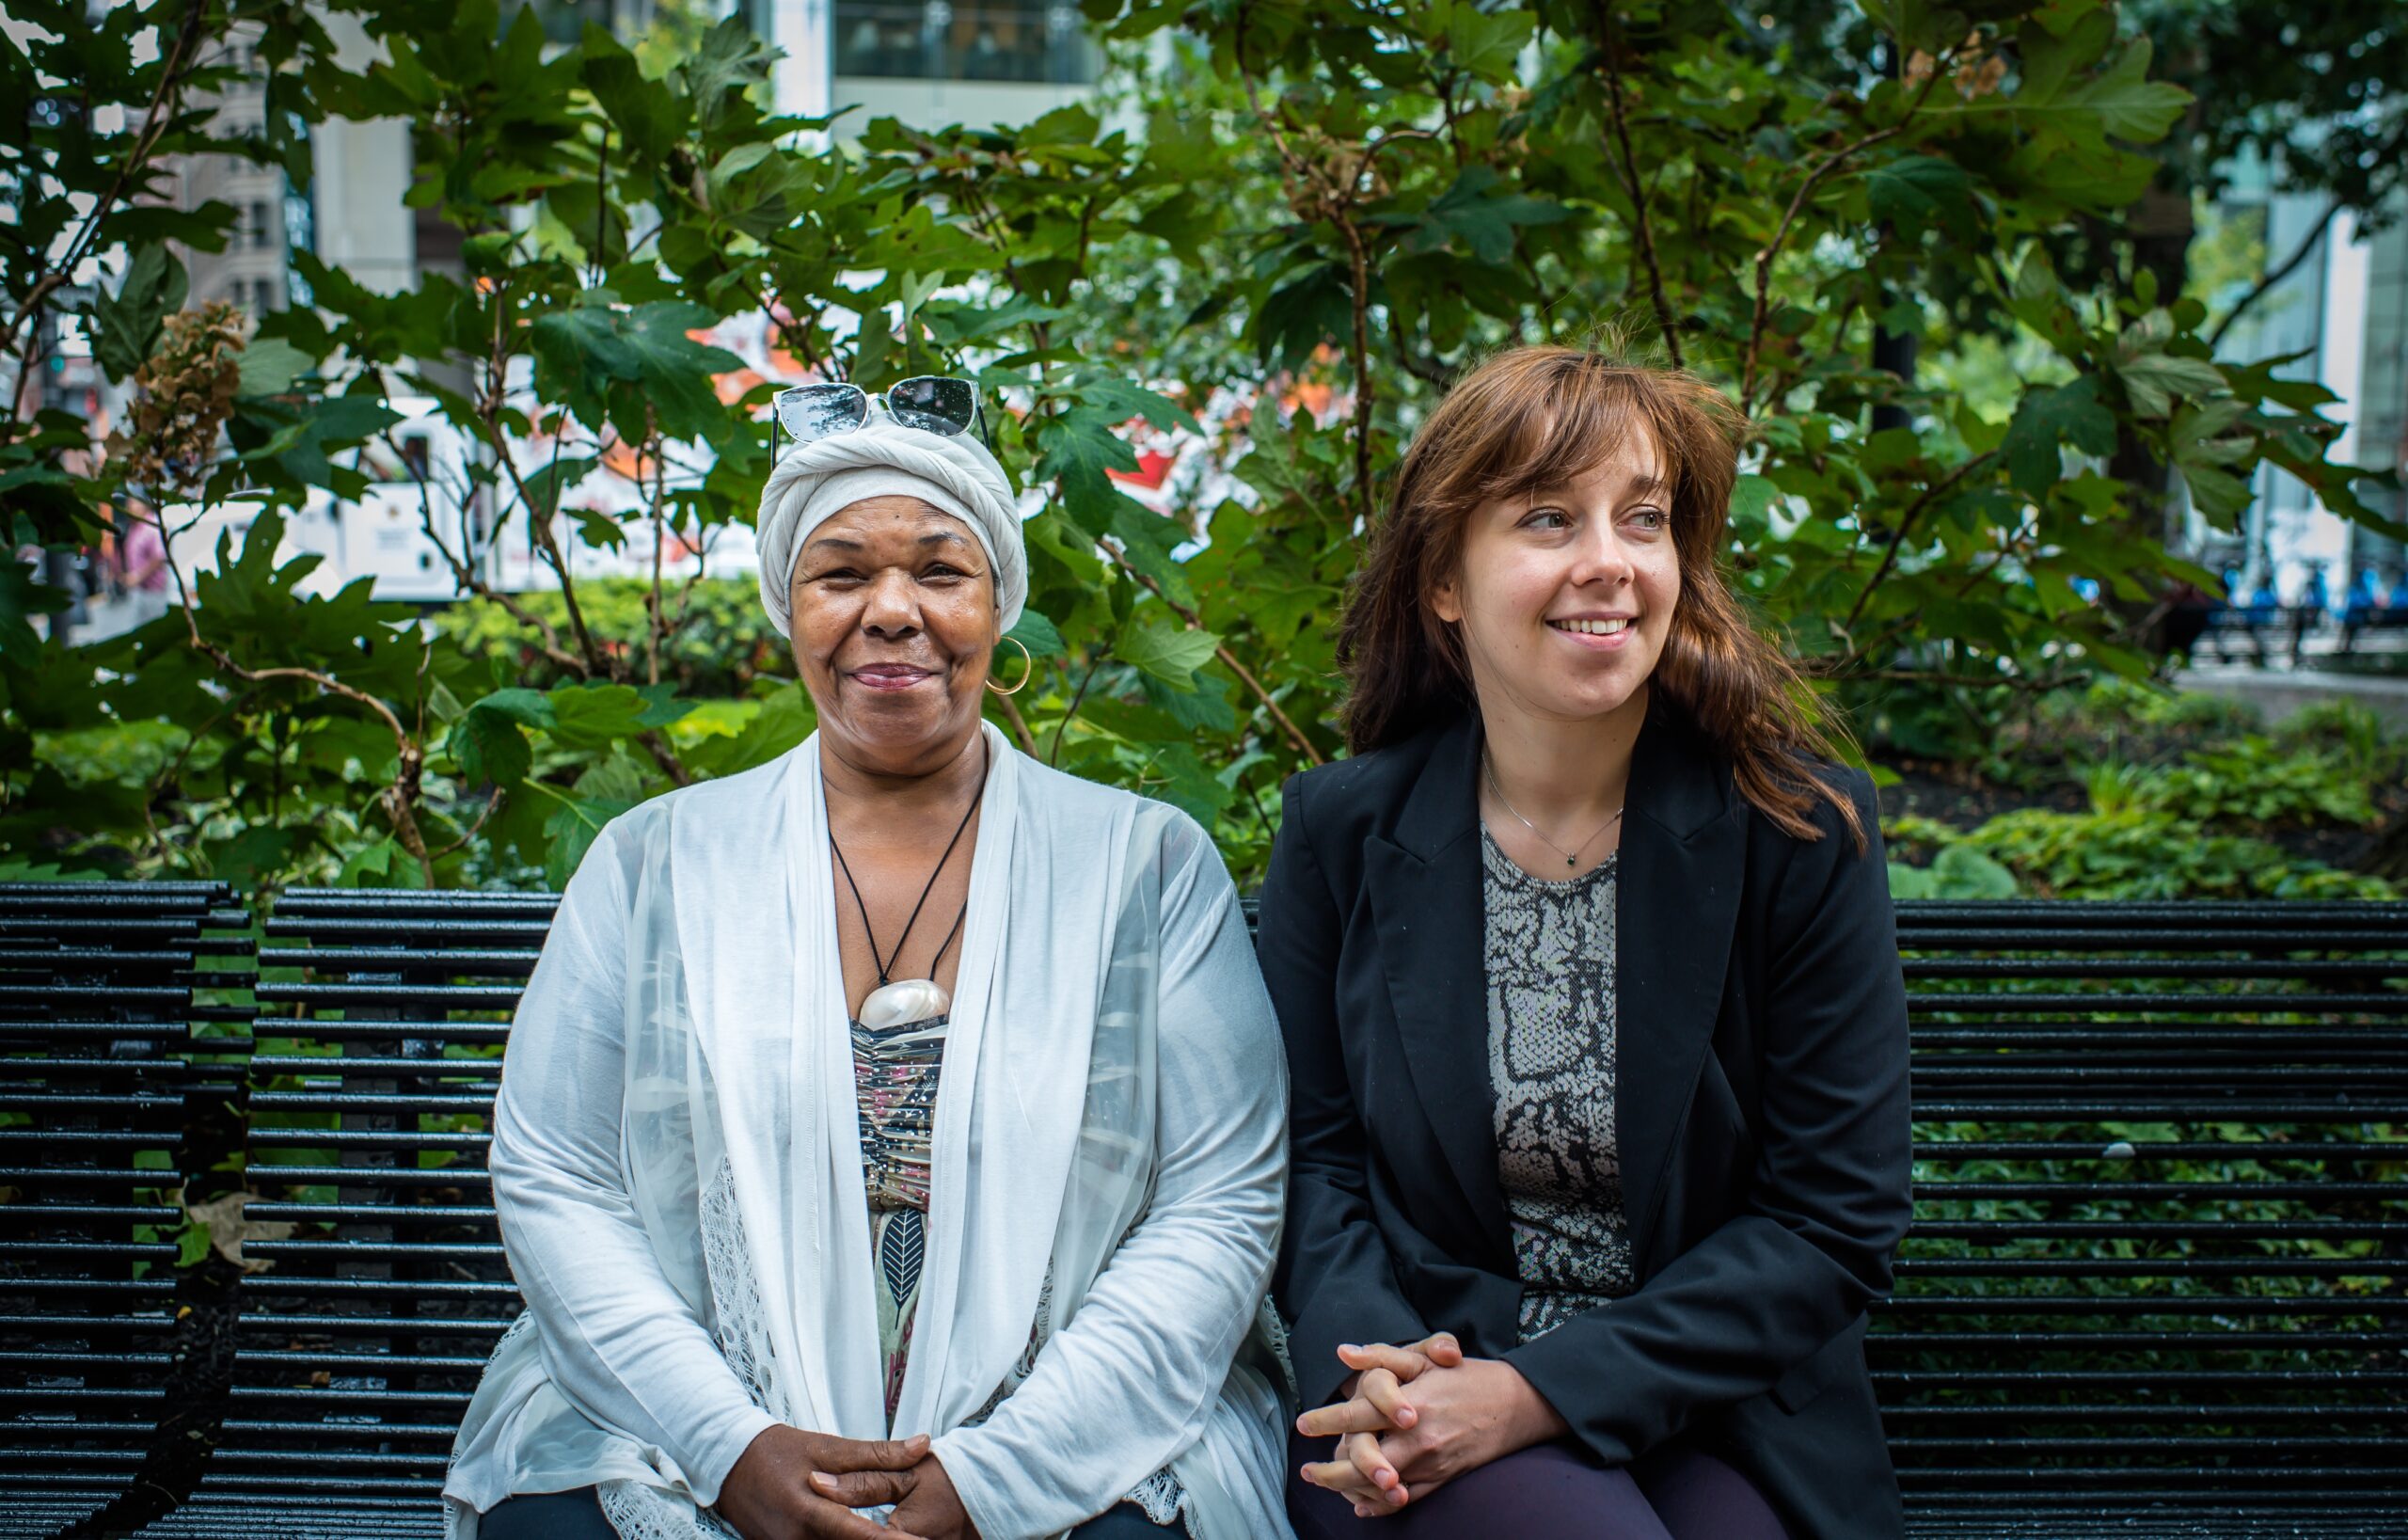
1549,959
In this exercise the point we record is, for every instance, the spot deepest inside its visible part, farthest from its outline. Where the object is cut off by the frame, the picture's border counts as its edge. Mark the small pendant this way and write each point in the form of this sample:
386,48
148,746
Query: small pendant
903,1001
1571,860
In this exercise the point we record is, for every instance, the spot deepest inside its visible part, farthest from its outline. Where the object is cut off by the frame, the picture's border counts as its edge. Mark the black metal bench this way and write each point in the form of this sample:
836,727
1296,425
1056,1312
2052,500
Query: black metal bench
110,1104
2153,1288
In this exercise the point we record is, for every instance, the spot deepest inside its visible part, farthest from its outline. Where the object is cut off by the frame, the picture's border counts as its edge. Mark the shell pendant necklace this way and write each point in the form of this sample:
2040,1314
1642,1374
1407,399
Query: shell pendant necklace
898,1001
1571,856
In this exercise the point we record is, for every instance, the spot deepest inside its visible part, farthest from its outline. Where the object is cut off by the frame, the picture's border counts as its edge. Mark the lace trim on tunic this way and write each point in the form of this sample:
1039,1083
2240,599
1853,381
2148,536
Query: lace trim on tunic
646,1513
741,1325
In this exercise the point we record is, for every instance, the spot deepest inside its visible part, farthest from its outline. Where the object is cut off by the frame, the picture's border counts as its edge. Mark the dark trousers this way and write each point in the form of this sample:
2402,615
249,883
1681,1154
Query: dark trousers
1551,1492
577,1516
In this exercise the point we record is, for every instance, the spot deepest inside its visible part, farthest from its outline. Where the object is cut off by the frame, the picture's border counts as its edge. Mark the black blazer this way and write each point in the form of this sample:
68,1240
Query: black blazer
1760,1108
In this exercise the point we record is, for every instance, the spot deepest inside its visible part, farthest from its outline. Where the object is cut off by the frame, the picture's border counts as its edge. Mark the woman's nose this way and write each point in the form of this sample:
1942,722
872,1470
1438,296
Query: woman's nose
1601,558
891,607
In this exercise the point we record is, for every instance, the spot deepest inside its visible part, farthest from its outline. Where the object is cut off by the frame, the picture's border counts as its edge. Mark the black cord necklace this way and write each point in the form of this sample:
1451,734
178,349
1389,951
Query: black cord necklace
917,999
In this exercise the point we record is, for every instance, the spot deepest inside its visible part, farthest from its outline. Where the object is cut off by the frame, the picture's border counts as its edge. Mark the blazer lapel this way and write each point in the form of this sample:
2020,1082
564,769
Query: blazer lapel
1425,891
1684,851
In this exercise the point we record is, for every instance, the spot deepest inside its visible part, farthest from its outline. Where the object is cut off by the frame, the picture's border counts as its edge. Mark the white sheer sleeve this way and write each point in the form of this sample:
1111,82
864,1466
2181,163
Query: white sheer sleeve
618,1339
1146,1356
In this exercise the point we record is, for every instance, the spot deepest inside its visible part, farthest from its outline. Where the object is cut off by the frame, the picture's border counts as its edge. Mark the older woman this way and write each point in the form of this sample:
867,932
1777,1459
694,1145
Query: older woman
899,1123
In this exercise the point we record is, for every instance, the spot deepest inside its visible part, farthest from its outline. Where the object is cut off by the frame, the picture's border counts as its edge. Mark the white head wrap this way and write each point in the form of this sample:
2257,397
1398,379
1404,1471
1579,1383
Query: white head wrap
822,477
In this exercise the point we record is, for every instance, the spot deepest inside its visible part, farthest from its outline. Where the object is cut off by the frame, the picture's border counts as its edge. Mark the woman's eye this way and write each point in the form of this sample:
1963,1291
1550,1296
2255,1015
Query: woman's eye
1651,519
836,574
1545,518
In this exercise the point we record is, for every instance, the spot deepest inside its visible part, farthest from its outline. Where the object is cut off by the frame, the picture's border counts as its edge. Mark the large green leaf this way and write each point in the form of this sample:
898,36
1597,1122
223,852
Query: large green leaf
1166,652
1487,43
126,325
2049,419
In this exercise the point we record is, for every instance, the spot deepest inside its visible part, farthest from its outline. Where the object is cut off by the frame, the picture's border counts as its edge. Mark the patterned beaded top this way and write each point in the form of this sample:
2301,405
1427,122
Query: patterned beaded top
894,1081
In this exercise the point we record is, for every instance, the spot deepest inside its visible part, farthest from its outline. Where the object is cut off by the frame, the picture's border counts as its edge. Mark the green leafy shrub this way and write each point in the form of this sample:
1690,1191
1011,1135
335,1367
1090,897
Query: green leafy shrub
2260,782
718,640
2142,853
1960,871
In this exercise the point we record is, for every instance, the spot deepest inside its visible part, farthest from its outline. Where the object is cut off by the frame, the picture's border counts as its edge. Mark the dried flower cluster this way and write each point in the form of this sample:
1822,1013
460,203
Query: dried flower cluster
183,395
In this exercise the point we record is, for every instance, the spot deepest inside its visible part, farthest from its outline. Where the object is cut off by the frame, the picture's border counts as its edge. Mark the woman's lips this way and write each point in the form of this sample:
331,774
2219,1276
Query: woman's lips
1595,643
891,676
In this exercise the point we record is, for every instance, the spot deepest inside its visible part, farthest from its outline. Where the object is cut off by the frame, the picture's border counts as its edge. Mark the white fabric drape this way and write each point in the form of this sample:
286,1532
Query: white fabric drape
677,1172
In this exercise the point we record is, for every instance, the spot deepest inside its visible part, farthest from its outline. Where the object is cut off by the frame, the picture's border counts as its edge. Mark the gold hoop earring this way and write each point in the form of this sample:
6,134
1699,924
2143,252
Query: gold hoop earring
1025,673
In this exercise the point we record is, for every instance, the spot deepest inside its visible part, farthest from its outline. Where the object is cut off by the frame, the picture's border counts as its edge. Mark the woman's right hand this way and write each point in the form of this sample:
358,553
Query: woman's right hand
771,1494
1360,1471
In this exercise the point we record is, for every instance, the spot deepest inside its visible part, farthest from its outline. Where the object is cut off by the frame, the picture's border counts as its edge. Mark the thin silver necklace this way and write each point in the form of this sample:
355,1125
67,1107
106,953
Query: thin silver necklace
1571,856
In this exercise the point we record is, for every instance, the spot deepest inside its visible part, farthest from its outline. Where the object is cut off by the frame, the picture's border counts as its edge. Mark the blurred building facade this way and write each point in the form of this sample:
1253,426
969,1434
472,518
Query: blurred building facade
2342,313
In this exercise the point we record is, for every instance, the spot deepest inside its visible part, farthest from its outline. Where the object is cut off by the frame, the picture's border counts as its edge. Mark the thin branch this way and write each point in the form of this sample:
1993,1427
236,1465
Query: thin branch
1221,650
492,802
655,618
1010,708
1336,204
1080,694
664,754
1772,248
171,79
1372,150
469,583
489,414
798,342
1627,169
1898,536
1365,395
2276,273
1789,218
1427,369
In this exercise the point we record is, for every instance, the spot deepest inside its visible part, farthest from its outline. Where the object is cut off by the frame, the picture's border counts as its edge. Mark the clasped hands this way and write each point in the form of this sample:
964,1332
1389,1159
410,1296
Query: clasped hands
1418,1416
790,1485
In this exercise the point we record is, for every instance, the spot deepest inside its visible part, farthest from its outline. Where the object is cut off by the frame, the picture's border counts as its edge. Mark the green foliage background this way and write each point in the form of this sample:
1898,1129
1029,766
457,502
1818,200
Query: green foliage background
1285,231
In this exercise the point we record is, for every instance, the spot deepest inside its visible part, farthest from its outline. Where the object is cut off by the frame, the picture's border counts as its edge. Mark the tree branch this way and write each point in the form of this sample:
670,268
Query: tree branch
1789,218
1019,723
172,71
1221,650
1627,169
2276,273
1898,536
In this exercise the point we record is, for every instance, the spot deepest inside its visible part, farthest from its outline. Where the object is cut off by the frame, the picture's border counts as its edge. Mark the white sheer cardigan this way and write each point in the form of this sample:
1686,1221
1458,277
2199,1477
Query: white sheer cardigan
677,1173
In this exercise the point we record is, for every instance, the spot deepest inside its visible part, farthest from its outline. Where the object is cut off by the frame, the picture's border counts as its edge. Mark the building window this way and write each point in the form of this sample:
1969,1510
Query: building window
940,41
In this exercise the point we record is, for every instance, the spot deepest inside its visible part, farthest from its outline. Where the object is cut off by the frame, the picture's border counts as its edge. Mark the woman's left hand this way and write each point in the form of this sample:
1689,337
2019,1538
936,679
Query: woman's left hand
1462,1418
933,1508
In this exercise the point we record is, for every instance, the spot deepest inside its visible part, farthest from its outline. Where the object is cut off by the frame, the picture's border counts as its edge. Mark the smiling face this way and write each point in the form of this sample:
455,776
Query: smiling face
1563,597
893,628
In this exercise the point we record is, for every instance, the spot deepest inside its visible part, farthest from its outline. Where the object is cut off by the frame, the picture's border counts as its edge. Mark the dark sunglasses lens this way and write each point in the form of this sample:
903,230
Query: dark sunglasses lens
815,411
936,403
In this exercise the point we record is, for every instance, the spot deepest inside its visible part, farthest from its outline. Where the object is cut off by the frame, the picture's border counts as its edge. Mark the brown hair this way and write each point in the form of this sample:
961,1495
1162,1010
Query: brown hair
1539,418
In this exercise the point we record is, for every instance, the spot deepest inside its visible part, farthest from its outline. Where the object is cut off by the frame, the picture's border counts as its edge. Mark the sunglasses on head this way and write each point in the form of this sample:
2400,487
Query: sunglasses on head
943,405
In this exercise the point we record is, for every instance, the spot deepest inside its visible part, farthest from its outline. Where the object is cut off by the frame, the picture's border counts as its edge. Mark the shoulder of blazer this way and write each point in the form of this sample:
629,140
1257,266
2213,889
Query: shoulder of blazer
1783,851
1348,799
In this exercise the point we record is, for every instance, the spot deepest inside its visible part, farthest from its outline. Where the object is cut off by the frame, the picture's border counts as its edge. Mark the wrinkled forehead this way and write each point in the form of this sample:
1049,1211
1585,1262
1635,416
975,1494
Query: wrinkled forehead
894,525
